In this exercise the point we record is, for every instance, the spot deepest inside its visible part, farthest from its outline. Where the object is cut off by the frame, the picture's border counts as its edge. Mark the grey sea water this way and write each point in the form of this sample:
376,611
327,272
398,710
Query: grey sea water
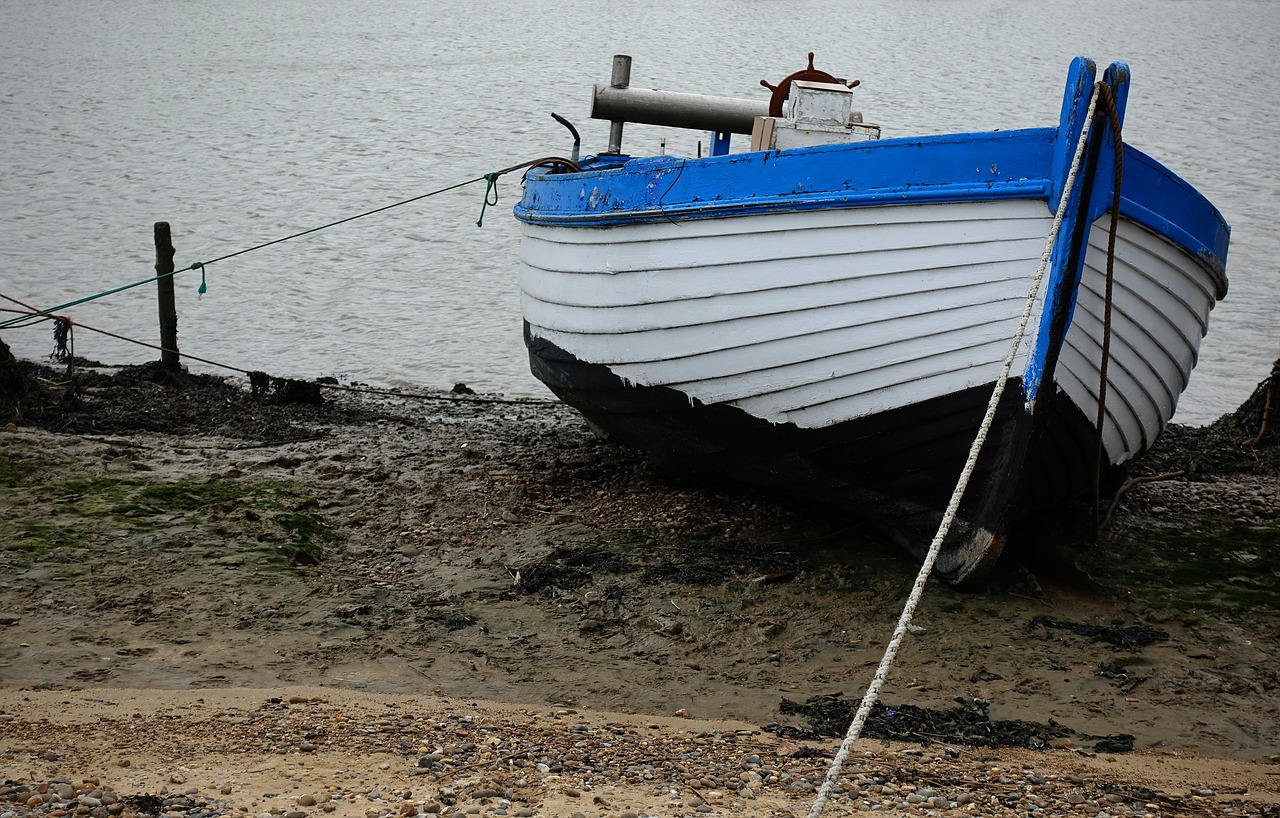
240,122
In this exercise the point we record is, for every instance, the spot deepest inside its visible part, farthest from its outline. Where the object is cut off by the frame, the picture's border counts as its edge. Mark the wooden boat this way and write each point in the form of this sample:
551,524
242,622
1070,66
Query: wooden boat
829,312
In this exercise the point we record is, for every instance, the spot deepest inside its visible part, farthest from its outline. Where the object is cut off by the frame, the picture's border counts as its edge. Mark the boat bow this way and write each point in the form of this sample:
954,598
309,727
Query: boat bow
831,318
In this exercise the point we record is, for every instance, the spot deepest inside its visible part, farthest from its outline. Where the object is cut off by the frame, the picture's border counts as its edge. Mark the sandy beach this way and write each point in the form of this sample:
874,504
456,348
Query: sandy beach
385,605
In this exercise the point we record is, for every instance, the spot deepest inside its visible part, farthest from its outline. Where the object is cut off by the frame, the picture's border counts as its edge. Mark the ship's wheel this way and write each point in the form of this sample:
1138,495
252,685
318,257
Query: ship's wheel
810,74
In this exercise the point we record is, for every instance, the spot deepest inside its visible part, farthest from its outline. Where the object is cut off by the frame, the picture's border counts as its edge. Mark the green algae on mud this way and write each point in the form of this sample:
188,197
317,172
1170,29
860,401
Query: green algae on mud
49,515
1216,566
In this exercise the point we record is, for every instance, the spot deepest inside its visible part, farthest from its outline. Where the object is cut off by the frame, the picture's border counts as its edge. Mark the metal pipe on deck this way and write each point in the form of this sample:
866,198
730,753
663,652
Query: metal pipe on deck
673,109
619,81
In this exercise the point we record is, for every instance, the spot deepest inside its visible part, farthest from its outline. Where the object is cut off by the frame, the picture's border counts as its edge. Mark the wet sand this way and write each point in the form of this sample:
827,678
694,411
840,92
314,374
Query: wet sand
389,555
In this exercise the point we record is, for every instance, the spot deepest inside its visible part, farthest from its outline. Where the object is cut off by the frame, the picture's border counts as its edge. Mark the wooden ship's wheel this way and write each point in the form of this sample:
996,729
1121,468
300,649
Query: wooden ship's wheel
783,89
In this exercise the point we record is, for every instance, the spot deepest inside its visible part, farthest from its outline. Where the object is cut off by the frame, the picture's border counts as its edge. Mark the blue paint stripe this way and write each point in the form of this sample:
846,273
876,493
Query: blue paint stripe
915,195
1075,106
951,167
1062,282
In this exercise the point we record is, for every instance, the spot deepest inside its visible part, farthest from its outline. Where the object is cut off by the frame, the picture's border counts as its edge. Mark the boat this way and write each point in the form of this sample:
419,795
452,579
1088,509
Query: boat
830,311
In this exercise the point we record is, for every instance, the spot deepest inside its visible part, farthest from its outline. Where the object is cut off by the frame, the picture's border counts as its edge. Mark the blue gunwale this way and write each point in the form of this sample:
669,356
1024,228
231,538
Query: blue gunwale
905,171
614,190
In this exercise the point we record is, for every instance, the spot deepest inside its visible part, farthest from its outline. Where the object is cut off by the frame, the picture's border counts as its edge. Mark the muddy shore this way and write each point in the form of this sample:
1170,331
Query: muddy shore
194,540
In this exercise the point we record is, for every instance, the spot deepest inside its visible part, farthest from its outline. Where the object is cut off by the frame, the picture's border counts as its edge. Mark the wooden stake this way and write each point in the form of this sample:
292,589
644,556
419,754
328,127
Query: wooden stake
164,291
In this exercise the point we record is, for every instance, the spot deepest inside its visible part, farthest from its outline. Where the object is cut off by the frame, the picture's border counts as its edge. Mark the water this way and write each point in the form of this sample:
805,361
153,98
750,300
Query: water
240,122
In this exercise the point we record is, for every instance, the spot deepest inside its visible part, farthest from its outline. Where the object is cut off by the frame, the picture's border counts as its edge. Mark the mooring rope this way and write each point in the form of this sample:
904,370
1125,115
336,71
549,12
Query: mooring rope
69,325
1109,102
26,313
904,619
491,194
29,316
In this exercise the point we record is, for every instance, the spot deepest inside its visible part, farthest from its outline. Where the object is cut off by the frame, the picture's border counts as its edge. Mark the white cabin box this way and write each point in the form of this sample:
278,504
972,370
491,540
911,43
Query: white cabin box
819,113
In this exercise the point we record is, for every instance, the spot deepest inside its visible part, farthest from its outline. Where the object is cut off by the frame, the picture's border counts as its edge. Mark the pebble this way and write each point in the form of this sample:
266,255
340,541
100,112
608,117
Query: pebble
705,772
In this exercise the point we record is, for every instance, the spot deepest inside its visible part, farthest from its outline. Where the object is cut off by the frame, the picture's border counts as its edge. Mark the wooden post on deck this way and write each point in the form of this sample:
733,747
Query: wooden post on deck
164,290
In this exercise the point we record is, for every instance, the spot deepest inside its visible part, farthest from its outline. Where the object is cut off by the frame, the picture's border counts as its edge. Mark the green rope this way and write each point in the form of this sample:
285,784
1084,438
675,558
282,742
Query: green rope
491,190
490,198
200,265
46,314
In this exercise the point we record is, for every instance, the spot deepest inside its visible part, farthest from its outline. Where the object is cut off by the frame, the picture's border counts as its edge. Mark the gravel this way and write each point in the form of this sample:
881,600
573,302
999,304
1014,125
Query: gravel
457,760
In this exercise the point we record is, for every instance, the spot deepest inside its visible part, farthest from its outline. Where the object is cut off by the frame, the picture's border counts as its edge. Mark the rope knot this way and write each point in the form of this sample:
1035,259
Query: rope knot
490,194
203,288
61,336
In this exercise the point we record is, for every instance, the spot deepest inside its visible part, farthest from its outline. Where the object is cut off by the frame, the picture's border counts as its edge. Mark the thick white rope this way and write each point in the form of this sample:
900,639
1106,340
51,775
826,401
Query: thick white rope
904,619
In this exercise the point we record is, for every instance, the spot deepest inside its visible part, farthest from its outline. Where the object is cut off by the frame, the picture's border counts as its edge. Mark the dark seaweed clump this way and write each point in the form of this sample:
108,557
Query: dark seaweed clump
1134,636
967,724
691,561
93,399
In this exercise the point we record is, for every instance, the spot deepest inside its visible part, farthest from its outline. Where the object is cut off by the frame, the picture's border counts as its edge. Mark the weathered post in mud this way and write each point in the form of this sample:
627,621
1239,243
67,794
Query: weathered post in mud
164,291
13,383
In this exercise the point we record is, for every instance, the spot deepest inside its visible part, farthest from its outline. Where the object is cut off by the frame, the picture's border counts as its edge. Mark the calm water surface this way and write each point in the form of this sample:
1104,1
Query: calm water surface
240,122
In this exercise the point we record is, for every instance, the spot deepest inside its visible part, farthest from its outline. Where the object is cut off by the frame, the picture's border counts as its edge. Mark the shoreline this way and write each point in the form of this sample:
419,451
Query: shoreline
356,755
191,541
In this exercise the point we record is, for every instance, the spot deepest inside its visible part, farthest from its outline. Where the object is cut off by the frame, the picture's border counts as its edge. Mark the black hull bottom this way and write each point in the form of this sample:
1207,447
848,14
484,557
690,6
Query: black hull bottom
896,469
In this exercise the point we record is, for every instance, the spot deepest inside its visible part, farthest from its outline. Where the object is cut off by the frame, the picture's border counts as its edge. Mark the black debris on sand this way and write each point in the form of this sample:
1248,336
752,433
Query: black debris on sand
97,399
281,391
692,561
968,724
1125,638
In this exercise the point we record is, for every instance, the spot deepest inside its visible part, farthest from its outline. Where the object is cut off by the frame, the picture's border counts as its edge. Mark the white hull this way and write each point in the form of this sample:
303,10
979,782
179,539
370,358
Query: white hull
1161,300
810,318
